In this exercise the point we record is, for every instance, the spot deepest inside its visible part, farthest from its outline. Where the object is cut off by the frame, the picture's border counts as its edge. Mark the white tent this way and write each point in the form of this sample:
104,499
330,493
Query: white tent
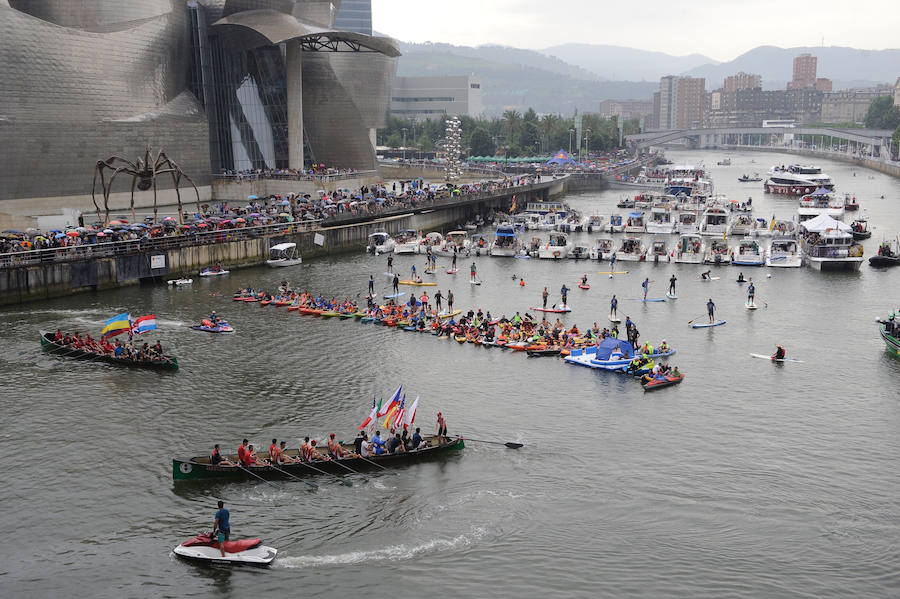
822,223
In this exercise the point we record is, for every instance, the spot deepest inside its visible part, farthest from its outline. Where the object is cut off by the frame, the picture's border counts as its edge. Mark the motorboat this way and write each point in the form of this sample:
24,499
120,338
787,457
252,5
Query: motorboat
739,206
431,242
631,250
740,225
380,243
249,552
888,254
603,249
724,162
828,244
456,242
659,250
796,180
558,247
714,221
579,252
533,221
407,242
690,249
506,241
551,221
595,223
214,271
748,253
784,252
574,223
860,229
625,203
821,201
480,245
207,326
610,354
643,201
717,252
660,220
850,203
761,228
285,254
534,246
687,222
748,179
616,224
180,282
635,223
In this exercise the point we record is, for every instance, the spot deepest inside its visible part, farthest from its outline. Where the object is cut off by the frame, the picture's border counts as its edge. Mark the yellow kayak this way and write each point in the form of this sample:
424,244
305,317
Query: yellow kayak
417,284
449,314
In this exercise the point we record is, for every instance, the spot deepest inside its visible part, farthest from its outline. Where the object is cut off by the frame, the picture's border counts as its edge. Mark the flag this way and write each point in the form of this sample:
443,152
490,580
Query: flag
390,417
143,324
116,325
372,415
772,224
513,207
410,416
392,402
398,415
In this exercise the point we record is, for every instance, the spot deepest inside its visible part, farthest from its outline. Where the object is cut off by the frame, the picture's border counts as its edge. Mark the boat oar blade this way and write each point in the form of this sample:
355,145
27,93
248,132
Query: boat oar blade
512,445
509,444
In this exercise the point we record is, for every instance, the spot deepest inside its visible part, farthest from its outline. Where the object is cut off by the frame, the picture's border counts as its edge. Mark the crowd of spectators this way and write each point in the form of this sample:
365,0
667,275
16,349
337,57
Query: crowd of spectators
317,172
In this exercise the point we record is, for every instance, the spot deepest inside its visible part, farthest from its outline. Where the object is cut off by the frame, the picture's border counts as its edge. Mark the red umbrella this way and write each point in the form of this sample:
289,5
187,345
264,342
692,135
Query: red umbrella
72,233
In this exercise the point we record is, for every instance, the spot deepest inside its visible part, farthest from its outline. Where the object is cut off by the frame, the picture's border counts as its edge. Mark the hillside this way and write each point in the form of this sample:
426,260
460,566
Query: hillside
617,62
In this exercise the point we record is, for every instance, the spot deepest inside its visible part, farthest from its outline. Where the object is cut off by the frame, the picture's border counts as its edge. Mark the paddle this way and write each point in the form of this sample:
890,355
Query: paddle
346,483
268,482
509,444
697,318
765,303
305,482
338,462
373,463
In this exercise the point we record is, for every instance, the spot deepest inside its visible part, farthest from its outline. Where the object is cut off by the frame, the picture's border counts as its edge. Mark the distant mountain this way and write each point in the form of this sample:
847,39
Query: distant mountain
620,63
519,79
846,67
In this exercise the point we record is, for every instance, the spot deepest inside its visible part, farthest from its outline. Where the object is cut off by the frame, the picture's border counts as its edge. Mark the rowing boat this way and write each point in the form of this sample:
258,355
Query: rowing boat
199,468
47,342
654,384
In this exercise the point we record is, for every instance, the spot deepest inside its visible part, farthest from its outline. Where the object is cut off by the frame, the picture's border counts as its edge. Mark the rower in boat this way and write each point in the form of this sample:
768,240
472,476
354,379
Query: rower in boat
249,458
310,453
216,458
779,354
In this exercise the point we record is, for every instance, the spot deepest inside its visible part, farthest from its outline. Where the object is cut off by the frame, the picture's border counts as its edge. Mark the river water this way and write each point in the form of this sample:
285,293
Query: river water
747,480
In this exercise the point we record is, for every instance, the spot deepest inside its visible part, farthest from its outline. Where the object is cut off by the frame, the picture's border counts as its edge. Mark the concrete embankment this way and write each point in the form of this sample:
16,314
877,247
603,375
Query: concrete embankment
59,276
888,168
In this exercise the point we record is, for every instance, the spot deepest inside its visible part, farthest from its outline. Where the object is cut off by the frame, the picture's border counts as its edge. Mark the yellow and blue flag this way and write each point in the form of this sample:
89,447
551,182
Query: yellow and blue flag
116,325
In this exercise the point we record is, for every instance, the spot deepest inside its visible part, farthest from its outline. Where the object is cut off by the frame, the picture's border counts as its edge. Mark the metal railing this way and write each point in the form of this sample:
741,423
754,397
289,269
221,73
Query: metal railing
320,177
111,249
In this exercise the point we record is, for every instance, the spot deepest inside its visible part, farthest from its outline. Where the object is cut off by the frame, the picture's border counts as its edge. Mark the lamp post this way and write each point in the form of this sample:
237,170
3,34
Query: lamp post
587,141
571,136
404,129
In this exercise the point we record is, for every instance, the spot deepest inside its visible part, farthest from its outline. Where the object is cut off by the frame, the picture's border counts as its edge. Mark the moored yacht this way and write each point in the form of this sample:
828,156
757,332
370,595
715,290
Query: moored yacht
741,224
616,224
380,243
631,250
784,252
595,223
828,244
821,201
407,242
659,250
689,249
557,247
796,180
635,223
748,252
506,241
687,222
714,221
660,220
603,249
456,242
717,252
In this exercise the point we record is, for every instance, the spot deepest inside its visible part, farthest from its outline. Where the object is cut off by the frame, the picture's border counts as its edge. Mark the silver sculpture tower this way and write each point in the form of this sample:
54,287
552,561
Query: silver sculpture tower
453,168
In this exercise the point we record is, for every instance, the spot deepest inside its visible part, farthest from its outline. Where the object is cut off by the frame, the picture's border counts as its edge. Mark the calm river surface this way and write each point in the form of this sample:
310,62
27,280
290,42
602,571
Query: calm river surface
748,480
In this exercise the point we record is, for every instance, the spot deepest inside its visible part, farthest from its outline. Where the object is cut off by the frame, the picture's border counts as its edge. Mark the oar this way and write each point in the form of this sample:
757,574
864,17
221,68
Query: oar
338,462
698,318
765,303
268,482
341,480
509,444
305,482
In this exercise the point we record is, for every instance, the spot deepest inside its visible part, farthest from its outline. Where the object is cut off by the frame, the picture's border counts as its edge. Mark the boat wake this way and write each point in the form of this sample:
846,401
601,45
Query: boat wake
394,553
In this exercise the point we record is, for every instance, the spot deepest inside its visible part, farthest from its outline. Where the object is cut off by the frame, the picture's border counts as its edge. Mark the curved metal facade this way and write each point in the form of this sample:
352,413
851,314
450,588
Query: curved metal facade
212,83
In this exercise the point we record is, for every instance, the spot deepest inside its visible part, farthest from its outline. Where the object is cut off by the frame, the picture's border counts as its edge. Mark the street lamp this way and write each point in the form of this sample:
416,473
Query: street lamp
404,129
571,136
587,141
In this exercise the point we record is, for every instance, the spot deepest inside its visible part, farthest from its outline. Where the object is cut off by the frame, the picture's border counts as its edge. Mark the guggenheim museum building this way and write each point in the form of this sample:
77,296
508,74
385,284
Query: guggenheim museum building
218,84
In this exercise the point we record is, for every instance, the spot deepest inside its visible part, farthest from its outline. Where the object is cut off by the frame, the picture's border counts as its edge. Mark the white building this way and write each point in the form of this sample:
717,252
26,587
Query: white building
422,98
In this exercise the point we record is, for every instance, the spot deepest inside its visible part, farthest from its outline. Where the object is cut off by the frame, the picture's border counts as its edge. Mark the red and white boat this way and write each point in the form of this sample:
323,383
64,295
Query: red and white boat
797,180
203,548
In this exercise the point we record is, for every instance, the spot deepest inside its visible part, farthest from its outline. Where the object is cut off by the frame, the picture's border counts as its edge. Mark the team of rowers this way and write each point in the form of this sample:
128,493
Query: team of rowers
392,443
102,347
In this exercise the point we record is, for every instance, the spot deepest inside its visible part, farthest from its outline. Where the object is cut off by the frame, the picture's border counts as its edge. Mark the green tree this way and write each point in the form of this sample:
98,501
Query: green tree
481,144
394,140
882,114
512,124
530,116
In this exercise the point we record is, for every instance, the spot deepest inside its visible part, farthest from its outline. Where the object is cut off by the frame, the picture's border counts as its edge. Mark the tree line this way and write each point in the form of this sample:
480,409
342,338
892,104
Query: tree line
513,135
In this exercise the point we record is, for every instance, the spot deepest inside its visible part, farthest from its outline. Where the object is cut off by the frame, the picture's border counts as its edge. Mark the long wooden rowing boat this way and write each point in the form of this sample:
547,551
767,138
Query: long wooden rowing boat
65,351
199,468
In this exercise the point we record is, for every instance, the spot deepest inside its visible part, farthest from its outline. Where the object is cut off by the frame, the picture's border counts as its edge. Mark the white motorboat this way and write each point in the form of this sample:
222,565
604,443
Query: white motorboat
480,245
748,252
558,247
431,242
214,271
456,242
574,223
717,252
797,180
595,223
551,221
533,221
740,225
661,220
284,254
687,222
821,201
407,242
631,250
690,249
659,250
784,252
828,244
579,252
180,282
534,246
714,221
636,223
380,243
249,552
616,224
761,228
603,249
506,241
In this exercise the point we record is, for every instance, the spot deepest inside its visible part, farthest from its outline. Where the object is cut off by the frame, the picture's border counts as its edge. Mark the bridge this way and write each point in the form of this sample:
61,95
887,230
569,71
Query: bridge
870,142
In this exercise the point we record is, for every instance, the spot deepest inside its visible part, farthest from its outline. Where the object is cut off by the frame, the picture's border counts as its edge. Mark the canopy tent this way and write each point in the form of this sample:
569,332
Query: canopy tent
821,192
561,157
822,223
610,344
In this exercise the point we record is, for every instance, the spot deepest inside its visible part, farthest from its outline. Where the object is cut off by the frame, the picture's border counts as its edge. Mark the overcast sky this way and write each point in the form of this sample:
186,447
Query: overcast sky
719,29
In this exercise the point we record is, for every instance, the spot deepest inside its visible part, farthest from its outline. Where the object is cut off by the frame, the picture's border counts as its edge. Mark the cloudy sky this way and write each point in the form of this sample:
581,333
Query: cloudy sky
719,29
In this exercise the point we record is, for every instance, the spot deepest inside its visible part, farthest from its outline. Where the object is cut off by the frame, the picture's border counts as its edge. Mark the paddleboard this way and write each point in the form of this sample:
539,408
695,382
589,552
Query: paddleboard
417,284
475,282
449,314
395,295
553,310
453,271
389,274
584,287
525,257
613,272
750,306
774,359
615,319
671,296
657,299
704,325
710,279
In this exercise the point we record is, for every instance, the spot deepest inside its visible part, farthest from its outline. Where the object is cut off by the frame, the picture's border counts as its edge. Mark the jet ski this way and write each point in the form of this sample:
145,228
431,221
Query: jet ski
207,326
203,548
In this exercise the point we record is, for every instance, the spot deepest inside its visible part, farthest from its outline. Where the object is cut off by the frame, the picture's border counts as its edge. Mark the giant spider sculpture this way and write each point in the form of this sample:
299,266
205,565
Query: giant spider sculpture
143,177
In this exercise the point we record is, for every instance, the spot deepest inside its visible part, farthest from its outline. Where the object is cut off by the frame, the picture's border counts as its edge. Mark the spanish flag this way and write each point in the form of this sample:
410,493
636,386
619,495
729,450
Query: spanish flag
116,325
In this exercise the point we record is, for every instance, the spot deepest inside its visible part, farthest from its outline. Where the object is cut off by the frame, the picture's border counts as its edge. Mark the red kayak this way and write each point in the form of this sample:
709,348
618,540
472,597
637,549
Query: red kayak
552,310
668,381
265,302
584,286
245,299
281,303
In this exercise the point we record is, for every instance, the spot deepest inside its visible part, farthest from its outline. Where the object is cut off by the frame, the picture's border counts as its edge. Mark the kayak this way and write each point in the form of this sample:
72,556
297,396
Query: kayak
750,306
671,296
668,381
265,302
547,351
710,279
562,310
658,299
244,298
203,548
584,287
613,272
704,325
395,295
775,359
208,272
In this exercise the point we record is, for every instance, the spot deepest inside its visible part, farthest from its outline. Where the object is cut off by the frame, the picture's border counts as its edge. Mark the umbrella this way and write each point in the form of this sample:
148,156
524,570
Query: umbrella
74,233
253,214
115,222
169,218
202,225
108,231
101,234
285,203
13,232
55,231
59,235
31,231
141,225
239,220
252,197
